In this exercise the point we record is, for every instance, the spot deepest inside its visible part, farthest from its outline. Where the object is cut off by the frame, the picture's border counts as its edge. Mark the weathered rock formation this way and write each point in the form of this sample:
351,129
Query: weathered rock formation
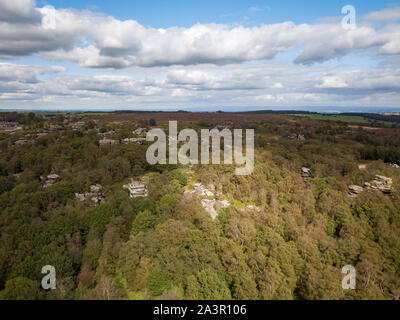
355,190
105,141
78,126
54,127
136,189
380,183
306,173
50,180
252,207
133,140
209,203
203,191
139,131
22,142
11,126
296,136
95,194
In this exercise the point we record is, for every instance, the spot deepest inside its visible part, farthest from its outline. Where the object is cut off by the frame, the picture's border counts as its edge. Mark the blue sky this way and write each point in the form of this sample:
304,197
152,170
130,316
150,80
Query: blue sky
198,54
185,13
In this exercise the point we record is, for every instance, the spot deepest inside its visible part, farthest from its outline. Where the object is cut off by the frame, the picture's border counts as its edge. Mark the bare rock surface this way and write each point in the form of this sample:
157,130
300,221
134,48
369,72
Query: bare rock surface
133,140
139,131
297,136
355,190
306,173
50,180
209,202
136,189
105,141
95,194
380,183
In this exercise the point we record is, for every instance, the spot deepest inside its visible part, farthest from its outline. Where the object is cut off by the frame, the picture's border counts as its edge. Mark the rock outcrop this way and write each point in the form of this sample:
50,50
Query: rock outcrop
208,205
380,183
95,194
306,173
11,127
136,189
203,191
254,208
50,180
105,141
296,136
209,202
22,142
139,131
78,126
133,140
355,190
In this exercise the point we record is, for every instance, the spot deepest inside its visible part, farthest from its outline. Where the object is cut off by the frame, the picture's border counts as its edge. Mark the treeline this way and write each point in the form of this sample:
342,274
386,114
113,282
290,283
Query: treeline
22,118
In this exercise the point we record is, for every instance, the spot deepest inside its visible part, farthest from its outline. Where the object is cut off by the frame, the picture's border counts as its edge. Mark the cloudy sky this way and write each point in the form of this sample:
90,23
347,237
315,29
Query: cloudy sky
175,54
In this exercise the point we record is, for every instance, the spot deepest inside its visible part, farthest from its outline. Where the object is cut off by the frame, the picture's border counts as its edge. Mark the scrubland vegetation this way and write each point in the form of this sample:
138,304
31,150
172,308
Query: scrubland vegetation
166,246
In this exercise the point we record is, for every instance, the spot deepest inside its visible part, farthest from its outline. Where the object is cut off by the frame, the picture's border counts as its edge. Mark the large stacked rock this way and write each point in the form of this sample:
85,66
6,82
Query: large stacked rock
355,190
22,142
381,183
136,189
209,203
296,136
79,126
202,190
42,134
212,205
95,194
50,180
306,173
220,127
139,131
105,141
133,140
253,207
11,127
54,127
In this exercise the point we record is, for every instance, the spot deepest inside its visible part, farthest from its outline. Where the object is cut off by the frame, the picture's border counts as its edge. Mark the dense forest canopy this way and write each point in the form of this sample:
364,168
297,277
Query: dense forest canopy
281,237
